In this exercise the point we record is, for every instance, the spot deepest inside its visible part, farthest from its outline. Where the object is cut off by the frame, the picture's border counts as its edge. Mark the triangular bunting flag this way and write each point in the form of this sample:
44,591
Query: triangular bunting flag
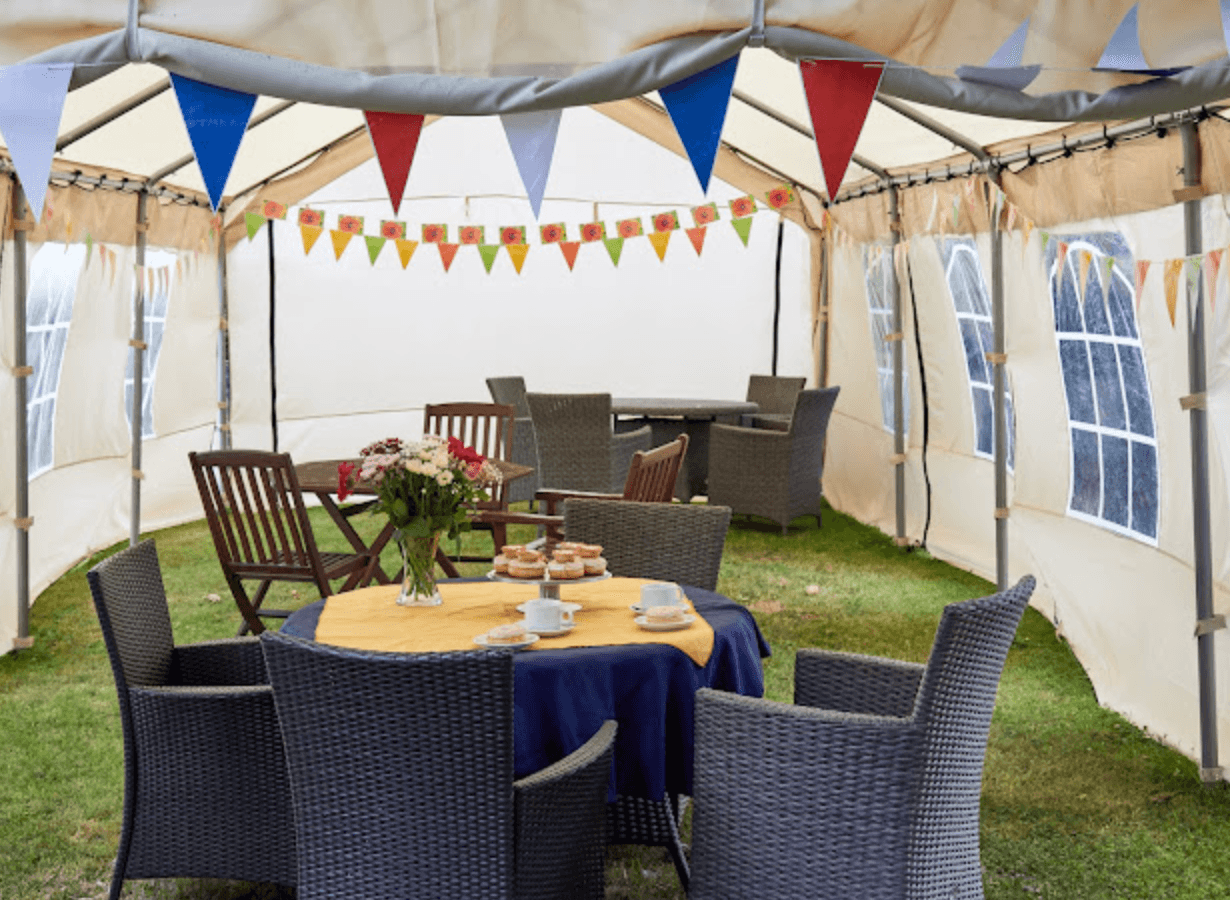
697,237
254,221
1212,262
405,250
1193,269
743,227
614,248
340,240
1083,259
956,213
517,253
447,252
487,253
310,233
570,249
697,106
375,244
660,239
1142,269
1062,251
839,93
31,101
1011,217
1026,230
1004,68
395,137
89,247
935,205
1174,267
531,138
216,119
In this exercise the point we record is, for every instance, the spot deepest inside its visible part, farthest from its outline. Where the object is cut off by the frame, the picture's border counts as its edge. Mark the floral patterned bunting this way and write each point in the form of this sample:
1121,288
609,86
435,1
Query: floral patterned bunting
392,231
350,224
743,206
780,197
593,231
313,218
272,209
666,222
472,234
512,234
628,228
703,215
435,234
553,234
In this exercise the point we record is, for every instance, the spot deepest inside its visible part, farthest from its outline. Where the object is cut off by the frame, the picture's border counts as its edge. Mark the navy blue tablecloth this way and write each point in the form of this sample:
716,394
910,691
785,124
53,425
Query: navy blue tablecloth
562,697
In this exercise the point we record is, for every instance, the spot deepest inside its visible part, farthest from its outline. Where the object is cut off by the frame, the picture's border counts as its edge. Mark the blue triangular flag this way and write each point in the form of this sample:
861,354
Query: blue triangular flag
1225,23
1123,53
1004,68
531,137
31,101
697,106
216,119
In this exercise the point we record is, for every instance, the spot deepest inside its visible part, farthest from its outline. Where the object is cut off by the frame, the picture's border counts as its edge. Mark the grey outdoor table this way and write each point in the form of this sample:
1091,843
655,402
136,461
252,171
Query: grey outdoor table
668,416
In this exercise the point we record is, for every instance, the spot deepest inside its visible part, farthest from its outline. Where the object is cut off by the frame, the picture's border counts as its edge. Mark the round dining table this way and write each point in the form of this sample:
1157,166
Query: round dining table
668,416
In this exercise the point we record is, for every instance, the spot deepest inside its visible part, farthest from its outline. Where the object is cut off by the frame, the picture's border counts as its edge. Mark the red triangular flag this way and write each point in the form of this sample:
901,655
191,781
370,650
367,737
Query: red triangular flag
395,136
697,237
570,249
447,252
839,93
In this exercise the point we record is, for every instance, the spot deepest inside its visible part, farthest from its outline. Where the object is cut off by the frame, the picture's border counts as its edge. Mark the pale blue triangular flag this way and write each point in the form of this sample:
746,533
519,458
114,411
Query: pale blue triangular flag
31,101
531,138
1004,68
1123,49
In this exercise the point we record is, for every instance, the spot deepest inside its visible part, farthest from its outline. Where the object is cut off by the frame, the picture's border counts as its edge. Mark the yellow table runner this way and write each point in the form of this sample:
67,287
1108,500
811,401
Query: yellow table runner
370,619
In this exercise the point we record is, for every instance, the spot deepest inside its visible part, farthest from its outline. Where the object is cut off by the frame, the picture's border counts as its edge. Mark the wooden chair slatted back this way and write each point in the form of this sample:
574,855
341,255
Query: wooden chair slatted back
651,477
487,427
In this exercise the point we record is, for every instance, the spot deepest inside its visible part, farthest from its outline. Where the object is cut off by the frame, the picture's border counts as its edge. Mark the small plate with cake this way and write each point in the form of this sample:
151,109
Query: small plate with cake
512,636
665,618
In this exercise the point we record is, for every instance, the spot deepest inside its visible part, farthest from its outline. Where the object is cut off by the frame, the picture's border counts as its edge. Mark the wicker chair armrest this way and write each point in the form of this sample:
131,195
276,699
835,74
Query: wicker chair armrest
229,661
553,497
561,823
854,683
752,446
799,796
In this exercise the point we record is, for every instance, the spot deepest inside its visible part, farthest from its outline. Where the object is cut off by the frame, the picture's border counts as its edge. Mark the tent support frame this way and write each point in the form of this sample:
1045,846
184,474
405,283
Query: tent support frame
21,371
999,387
224,349
138,369
894,212
1210,771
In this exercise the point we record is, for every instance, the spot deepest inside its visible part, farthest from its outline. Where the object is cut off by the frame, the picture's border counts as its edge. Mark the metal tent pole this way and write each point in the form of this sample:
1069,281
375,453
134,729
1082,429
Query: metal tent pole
897,338
1206,623
138,368
998,358
224,347
21,371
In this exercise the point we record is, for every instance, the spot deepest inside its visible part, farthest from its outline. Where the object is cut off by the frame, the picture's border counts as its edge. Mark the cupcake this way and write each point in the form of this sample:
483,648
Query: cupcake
513,633
589,551
594,565
527,564
565,566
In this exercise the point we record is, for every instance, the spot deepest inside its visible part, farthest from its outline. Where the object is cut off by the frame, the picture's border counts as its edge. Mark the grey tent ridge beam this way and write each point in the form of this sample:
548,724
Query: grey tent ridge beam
119,185
108,116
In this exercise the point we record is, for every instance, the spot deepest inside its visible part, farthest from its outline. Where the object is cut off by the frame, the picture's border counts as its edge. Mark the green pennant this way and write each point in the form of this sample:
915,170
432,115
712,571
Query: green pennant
375,244
488,252
254,222
614,246
743,227
89,245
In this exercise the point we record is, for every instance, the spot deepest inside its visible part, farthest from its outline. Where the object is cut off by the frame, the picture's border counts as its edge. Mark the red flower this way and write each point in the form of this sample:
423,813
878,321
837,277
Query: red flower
742,206
273,210
664,222
779,197
392,230
703,215
432,234
552,234
514,234
594,231
350,224
629,228
471,234
312,217
344,471
467,455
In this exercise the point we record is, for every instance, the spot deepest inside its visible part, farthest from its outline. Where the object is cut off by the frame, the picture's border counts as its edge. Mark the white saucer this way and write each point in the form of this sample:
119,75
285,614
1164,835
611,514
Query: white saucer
638,608
565,628
664,626
564,606
529,639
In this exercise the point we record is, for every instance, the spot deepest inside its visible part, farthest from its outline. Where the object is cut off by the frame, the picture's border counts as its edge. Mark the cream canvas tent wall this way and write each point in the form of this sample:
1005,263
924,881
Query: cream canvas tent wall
893,284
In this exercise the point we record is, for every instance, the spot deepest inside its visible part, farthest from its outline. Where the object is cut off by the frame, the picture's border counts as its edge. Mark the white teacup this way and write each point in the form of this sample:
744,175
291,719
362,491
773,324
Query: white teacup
545,614
660,594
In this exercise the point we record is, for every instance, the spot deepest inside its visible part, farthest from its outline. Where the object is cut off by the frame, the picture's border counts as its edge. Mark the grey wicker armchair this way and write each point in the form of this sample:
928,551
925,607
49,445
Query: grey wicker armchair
401,771
775,395
869,785
775,474
677,542
206,793
577,450
511,392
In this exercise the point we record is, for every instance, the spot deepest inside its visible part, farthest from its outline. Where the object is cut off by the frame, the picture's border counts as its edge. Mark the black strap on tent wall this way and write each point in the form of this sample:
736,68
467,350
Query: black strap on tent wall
273,339
926,407
777,294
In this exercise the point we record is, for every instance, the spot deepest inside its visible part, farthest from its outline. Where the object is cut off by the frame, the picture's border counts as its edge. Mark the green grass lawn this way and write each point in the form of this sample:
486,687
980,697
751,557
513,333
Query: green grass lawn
1077,802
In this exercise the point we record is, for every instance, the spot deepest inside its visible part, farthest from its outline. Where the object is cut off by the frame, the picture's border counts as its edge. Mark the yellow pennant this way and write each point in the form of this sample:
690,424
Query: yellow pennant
517,253
1174,268
310,234
660,239
1082,260
340,240
405,250
1027,228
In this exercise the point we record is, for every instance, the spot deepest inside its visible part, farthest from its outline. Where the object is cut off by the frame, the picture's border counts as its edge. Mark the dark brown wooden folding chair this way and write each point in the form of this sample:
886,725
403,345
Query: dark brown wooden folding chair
261,530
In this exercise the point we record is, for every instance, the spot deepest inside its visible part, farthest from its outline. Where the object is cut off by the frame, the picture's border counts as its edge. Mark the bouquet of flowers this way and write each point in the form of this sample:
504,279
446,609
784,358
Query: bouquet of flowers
425,488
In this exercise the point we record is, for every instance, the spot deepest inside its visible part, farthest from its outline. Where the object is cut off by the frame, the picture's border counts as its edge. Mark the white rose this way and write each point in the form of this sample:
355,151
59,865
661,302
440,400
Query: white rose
445,478
429,469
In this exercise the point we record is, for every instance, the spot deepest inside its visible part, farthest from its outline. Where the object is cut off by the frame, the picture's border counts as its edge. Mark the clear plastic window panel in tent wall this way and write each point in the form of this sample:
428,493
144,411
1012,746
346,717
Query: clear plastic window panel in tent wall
51,288
971,302
881,288
1114,479
158,278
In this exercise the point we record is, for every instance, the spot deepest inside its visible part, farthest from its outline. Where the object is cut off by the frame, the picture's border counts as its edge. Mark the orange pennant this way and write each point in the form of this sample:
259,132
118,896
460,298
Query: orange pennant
1174,268
405,250
570,249
697,237
517,253
447,253
340,240
660,239
1142,269
310,234
1212,262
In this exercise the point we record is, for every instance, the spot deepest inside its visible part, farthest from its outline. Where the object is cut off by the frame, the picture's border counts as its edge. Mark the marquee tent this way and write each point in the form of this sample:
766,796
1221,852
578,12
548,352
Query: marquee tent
1017,280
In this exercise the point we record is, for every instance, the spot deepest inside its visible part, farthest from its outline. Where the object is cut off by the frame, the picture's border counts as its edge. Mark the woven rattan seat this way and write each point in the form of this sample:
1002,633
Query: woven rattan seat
869,785
775,395
401,769
206,793
776,474
510,391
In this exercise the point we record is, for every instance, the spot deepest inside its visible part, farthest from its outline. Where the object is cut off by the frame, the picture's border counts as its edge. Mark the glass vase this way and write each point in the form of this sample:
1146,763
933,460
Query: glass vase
418,580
